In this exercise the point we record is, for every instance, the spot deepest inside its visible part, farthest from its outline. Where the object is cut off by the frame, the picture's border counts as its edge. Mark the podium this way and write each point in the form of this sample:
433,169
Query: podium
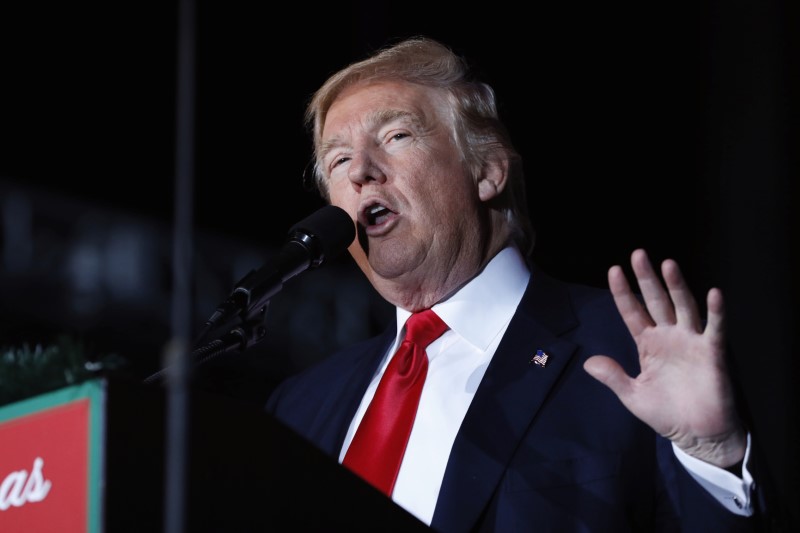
90,458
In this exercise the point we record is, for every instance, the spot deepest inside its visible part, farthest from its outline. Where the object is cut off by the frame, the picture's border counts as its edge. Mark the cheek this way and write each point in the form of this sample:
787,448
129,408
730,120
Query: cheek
342,195
447,187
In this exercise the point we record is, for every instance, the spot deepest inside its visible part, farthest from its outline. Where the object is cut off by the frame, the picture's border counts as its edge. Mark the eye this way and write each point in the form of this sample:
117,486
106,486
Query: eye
339,161
337,166
335,160
399,136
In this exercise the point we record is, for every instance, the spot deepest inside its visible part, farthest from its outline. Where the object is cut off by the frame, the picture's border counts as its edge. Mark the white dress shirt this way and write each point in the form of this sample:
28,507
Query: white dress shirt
457,362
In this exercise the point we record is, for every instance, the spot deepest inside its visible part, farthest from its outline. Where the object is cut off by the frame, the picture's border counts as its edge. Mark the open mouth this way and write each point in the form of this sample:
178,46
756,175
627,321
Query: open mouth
376,214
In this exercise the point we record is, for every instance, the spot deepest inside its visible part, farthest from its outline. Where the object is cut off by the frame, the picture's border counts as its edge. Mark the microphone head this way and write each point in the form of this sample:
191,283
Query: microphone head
326,233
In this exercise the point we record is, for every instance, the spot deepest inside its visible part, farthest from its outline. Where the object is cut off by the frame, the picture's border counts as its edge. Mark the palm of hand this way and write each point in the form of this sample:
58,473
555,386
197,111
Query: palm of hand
683,390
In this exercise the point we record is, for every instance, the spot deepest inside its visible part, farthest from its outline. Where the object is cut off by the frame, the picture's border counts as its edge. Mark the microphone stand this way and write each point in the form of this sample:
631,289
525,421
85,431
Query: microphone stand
325,233
251,330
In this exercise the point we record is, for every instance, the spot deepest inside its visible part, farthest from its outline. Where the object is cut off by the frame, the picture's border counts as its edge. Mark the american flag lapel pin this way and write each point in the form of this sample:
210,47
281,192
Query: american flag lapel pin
540,358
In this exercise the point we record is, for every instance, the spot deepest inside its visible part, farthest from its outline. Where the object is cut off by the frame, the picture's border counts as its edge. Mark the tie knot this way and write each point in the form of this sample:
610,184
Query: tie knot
424,327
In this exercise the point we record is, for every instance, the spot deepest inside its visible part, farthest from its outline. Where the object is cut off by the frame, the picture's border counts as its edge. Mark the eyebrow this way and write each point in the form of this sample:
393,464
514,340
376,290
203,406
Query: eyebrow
376,119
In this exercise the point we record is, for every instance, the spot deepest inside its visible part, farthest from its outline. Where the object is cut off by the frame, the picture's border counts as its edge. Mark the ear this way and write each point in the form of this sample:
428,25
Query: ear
493,178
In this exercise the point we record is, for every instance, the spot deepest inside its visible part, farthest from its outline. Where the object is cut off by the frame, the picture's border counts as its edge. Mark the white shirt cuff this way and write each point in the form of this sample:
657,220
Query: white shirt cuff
733,492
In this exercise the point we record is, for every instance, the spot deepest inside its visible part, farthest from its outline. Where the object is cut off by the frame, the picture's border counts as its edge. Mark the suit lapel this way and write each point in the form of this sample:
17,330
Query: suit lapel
510,395
339,408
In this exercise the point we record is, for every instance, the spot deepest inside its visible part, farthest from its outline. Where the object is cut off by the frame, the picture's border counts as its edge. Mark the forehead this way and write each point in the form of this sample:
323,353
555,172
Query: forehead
368,104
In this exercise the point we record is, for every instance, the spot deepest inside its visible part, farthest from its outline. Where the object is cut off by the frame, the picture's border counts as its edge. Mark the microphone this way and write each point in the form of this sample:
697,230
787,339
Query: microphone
320,237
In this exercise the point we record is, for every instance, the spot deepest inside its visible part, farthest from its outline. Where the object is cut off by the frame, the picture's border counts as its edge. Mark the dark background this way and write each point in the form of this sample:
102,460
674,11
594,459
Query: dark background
666,126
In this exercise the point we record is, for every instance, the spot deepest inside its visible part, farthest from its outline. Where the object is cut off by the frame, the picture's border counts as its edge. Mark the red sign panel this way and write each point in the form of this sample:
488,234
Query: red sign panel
44,471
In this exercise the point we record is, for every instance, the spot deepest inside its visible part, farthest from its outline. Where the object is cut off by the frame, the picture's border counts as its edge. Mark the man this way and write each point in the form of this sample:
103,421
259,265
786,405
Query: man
546,406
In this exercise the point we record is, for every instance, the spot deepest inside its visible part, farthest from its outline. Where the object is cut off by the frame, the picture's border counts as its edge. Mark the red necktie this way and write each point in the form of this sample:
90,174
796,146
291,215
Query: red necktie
378,446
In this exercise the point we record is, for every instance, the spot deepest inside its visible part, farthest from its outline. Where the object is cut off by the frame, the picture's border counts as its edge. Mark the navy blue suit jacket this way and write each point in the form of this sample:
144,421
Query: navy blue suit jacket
542,448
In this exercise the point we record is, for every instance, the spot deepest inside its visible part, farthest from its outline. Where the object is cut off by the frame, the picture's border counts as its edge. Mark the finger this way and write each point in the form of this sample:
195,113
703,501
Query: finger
685,305
608,372
657,300
630,308
715,324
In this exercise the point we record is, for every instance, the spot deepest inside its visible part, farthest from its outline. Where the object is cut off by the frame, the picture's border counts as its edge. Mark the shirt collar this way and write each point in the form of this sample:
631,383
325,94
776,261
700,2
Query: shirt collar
482,308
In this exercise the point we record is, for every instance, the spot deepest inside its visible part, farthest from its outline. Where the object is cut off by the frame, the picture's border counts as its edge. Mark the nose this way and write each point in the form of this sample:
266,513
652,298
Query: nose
365,167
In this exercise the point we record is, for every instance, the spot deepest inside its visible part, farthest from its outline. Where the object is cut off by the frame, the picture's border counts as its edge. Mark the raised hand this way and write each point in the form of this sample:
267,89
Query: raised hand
683,390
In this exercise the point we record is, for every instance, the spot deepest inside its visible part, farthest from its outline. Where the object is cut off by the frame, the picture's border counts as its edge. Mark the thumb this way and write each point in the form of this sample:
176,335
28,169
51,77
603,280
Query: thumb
608,372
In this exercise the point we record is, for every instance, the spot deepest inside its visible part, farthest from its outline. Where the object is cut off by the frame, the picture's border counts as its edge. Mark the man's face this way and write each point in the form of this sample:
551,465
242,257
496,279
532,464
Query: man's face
392,164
